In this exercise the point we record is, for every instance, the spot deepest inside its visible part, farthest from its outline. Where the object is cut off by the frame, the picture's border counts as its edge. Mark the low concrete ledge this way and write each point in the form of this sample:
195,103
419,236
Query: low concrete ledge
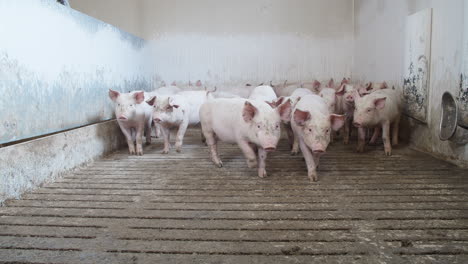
27,165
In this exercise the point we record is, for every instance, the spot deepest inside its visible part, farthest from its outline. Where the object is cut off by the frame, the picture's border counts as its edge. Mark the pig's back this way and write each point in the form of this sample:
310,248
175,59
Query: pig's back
286,91
168,90
300,92
263,93
193,101
393,103
224,115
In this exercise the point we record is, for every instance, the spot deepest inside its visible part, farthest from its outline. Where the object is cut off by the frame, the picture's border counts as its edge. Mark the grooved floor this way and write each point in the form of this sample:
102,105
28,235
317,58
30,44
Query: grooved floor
180,208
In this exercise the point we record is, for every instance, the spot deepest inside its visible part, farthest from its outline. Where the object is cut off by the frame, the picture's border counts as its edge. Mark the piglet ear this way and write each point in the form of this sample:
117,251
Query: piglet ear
341,90
174,83
172,102
380,102
249,111
139,97
198,84
152,101
345,81
363,91
300,117
276,103
384,85
368,86
356,95
337,121
331,83
113,94
316,85
280,100
271,104
285,110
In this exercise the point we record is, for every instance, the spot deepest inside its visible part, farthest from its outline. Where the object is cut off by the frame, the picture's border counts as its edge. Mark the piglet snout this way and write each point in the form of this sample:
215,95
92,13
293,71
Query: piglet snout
122,117
157,120
356,124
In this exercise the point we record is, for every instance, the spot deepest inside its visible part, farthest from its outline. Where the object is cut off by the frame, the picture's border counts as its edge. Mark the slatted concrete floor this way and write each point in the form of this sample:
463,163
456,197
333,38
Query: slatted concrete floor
180,208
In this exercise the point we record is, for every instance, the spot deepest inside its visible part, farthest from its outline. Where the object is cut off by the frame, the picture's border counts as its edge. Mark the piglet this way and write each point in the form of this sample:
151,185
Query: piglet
252,124
344,105
133,115
180,110
292,101
381,108
312,123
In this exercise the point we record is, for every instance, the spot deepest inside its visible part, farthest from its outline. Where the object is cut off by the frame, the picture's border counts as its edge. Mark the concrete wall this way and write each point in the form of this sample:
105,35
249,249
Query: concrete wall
233,42
124,14
378,55
56,66
26,165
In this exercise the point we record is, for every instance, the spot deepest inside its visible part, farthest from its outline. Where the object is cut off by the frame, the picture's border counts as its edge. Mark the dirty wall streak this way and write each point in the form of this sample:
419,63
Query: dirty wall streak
378,55
56,65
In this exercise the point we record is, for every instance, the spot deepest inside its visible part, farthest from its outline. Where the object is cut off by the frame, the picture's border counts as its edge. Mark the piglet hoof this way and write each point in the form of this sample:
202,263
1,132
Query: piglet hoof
313,176
219,164
346,142
148,143
165,151
388,151
131,152
294,152
262,173
252,163
139,153
179,150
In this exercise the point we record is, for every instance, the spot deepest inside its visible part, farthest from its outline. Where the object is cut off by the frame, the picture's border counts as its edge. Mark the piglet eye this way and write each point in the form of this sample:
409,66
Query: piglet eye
258,126
310,130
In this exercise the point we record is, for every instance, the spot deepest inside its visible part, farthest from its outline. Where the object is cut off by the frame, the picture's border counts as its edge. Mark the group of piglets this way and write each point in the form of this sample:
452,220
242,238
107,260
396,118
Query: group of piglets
311,113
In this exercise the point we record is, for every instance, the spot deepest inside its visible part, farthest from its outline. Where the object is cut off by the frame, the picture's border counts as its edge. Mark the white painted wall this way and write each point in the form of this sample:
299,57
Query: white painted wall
378,55
56,66
233,42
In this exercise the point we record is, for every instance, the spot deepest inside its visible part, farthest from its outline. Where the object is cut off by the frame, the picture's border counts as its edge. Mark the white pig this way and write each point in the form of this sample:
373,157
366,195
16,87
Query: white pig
162,91
312,123
180,110
294,98
345,106
133,115
381,108
263,93
249,123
